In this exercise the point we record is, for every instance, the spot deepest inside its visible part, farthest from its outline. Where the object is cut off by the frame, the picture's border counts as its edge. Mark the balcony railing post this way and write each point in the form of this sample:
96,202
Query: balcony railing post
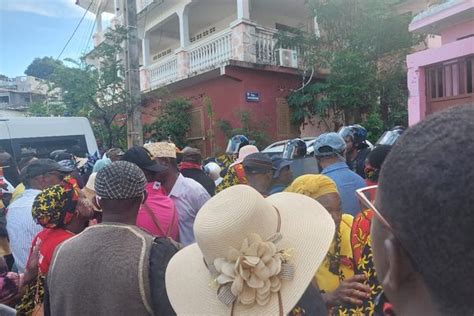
182,63
243,41
144,79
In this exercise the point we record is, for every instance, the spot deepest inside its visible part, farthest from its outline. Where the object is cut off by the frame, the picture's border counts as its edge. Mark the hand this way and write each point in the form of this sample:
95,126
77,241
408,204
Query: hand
351,291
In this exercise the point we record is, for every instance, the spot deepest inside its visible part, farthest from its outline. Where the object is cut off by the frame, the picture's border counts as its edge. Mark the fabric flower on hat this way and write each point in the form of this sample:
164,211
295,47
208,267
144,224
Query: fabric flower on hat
252,273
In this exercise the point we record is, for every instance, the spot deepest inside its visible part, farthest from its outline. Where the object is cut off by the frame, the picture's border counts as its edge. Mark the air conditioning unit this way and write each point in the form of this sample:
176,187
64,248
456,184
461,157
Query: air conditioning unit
287,58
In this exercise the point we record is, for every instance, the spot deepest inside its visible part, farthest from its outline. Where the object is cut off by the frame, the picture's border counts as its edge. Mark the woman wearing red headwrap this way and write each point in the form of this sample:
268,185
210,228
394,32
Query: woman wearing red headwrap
63,211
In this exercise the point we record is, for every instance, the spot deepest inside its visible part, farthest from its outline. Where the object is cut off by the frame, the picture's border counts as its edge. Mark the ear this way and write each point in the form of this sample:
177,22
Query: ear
145,197
397,270
96,202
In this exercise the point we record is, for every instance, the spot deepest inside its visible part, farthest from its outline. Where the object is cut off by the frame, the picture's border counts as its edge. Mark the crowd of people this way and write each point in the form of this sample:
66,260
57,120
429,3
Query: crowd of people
154,230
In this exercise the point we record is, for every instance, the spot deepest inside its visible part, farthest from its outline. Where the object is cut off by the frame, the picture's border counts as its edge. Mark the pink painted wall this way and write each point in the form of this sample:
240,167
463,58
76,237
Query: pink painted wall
457,31
416,75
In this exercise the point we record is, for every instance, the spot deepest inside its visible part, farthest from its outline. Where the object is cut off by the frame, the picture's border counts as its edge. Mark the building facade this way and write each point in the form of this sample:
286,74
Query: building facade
219,50
16,94
441,77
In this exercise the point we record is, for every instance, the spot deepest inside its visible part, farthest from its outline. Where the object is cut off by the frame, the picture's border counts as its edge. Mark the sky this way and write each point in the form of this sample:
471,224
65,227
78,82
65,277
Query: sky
38,28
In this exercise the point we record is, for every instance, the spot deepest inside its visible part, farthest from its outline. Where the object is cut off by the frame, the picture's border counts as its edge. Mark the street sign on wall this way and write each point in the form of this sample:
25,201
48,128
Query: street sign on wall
252,96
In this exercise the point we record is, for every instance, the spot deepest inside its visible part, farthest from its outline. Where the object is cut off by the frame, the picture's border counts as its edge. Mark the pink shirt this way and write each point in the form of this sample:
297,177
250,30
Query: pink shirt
164,211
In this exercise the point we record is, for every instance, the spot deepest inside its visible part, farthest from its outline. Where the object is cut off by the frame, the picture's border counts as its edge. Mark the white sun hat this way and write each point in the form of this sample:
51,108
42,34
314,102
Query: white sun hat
253,256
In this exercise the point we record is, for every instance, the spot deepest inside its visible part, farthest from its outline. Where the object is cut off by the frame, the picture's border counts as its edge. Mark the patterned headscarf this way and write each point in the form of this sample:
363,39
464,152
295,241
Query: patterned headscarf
313,185
55,206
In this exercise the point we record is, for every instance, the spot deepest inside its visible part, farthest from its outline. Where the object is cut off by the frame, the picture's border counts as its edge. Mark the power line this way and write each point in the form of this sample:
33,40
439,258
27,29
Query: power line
88,39
75,30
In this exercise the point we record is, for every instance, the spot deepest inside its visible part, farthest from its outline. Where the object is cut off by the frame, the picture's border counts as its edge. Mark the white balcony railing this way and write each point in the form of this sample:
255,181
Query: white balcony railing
210,53
265,45
164,71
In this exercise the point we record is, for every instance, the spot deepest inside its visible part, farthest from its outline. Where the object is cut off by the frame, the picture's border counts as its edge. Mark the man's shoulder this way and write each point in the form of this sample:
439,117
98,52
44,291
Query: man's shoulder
25,200
191,183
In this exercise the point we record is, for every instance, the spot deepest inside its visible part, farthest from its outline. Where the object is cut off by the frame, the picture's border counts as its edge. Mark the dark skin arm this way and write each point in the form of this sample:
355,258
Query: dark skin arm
351,291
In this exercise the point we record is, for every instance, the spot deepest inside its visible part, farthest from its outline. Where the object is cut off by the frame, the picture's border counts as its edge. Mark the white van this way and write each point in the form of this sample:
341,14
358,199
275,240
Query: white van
42,135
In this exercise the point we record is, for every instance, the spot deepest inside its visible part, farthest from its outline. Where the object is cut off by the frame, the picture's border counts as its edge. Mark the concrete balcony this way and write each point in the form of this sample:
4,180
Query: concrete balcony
163,72
210,53
245,42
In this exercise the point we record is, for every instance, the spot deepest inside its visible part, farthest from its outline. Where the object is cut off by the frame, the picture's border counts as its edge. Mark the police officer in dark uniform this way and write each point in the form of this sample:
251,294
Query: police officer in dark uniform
355,137
296,151
233,146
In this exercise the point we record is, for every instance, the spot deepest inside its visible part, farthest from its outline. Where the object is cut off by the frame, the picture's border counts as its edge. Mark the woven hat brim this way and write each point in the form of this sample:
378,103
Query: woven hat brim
307,230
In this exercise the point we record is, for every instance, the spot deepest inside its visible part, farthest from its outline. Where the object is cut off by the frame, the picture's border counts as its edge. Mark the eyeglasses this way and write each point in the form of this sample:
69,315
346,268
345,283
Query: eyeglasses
362,194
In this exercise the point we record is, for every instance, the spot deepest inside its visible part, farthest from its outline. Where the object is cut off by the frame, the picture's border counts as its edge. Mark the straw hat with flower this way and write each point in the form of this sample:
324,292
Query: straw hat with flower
253,256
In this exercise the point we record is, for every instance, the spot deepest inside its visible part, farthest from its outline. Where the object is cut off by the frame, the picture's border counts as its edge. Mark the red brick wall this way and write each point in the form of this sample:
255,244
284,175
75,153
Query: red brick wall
227,94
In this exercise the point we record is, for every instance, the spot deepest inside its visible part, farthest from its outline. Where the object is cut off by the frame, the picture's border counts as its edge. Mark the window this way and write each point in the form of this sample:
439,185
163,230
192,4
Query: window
4,99
450,79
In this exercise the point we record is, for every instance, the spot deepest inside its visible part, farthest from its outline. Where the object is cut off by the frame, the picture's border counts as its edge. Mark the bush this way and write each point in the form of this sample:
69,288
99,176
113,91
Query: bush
255,132
173,122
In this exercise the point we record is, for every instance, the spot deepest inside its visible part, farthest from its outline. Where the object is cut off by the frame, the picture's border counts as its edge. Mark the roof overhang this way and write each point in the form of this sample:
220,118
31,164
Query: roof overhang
440,17
103,5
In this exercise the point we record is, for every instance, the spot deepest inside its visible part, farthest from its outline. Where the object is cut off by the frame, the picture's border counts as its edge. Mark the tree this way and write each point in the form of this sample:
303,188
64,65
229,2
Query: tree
254,130
95,91
173,122
363,44
43,68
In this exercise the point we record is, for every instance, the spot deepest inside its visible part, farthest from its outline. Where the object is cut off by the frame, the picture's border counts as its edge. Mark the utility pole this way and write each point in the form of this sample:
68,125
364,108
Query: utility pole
132,75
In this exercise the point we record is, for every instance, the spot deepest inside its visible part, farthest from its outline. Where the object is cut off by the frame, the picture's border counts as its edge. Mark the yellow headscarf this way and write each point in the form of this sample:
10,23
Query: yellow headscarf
313,185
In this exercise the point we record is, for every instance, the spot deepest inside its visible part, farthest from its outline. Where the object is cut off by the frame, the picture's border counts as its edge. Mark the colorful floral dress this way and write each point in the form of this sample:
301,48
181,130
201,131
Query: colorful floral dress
362,250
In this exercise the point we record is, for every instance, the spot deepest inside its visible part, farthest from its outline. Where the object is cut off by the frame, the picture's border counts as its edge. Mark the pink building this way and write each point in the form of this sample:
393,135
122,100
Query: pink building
442,77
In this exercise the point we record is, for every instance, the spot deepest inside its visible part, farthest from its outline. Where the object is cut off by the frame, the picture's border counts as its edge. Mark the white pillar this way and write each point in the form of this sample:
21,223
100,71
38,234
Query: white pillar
99,22
183,27
243,9
116,7
146,50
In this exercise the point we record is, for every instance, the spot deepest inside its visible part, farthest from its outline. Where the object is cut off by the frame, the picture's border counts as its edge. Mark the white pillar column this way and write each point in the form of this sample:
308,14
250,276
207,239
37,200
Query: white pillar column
99,22
146,50
116,7
243,9
183,26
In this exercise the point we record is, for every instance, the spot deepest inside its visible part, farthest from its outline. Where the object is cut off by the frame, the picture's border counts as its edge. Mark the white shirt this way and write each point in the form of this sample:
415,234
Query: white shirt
22,228
188,197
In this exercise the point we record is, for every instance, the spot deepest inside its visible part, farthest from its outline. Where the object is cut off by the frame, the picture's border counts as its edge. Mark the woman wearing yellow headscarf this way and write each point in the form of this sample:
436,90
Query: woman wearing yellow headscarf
335,277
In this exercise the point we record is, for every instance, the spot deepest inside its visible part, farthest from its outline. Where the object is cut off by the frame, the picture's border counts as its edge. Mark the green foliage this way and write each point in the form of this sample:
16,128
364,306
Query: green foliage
46,109
43,68
94,91
173,122
374,126
3,77
351,83
255,131
363,44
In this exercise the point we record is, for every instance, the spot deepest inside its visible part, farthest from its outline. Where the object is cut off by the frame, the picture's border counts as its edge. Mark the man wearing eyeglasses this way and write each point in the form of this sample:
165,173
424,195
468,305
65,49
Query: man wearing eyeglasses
21,227
422,231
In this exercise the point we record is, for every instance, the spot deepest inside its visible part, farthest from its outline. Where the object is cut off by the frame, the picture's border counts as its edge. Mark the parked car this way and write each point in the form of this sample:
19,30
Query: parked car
278,147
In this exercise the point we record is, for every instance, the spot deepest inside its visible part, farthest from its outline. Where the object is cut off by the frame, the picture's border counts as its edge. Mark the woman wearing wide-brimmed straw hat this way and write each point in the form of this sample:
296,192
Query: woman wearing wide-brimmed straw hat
253,256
